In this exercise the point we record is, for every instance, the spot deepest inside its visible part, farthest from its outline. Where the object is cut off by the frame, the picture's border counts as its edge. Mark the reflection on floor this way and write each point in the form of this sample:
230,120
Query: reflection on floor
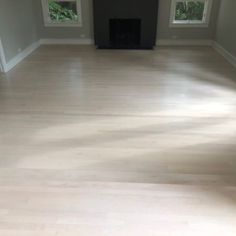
127,143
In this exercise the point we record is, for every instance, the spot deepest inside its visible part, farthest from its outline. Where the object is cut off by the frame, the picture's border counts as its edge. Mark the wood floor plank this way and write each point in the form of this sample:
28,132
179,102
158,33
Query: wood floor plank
118,142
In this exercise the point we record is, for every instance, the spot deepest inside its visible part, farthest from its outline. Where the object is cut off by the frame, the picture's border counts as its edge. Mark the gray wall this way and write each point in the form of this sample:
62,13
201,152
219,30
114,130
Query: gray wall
164,31
17,26
226,27
21,24
86,31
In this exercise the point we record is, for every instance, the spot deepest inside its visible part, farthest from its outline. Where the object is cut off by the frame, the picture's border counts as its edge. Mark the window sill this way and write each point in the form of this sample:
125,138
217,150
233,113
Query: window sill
63,25
188,25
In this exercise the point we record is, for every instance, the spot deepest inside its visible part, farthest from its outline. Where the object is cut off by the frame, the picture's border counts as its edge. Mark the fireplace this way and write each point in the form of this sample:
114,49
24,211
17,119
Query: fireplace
125,24
125,33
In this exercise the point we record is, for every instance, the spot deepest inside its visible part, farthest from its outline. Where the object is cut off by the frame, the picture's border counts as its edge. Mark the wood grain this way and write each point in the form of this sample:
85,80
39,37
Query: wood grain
118,143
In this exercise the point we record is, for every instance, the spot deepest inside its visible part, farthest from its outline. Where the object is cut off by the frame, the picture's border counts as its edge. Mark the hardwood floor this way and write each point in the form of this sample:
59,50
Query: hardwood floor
118,143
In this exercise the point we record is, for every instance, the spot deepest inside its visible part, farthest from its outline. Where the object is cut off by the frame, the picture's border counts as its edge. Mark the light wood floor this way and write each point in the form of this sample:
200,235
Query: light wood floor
118,143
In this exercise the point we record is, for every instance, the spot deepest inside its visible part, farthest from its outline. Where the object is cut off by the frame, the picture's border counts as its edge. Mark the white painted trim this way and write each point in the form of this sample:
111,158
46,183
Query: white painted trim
21,56
66,41
47,19
3,63
184,42
1,67
226,54
190,24
7,66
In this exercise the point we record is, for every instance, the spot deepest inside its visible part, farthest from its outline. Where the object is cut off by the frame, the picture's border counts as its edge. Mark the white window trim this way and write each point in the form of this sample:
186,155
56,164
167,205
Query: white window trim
187,24
49,23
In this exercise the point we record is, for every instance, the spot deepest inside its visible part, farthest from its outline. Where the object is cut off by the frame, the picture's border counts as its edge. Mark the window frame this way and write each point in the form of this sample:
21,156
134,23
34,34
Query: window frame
49,23
188,23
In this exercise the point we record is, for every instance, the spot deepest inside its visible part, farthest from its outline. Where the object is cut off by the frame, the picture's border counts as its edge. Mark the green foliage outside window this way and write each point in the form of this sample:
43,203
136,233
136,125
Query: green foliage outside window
63,11
189,10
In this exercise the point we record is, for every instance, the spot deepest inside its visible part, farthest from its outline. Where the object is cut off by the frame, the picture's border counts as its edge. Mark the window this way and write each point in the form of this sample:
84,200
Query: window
190,13
62,12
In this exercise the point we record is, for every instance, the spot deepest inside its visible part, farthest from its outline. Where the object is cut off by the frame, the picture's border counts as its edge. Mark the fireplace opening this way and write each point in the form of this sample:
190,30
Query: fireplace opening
125,33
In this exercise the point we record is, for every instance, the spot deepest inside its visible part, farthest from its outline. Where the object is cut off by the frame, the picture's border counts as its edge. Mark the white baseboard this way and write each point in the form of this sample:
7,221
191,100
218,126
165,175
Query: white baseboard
6,66
3,64
184,42
226,54
66,41
21,56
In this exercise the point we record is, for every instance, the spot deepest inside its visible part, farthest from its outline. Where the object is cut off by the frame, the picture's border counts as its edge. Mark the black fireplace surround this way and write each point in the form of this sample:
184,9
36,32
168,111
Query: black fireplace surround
125,24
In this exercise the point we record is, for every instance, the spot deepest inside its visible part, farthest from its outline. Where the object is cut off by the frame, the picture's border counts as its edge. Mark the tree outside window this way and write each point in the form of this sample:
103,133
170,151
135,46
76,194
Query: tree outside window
187,10
63,11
